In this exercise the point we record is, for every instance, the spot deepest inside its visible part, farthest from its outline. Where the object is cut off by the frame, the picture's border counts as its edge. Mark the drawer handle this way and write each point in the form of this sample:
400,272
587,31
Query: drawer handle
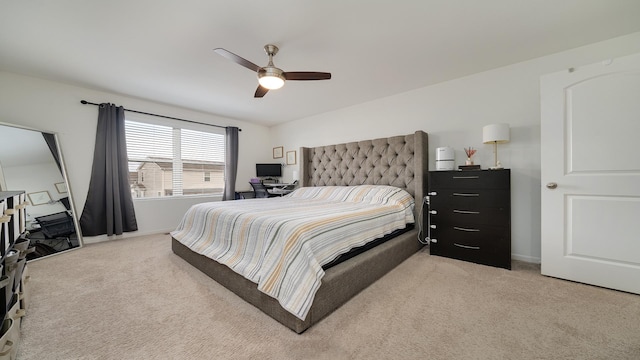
465,194
467,246
465,212
466,177
465,229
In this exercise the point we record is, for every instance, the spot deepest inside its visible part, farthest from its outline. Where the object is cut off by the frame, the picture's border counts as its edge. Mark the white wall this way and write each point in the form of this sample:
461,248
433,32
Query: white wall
55,107
453,114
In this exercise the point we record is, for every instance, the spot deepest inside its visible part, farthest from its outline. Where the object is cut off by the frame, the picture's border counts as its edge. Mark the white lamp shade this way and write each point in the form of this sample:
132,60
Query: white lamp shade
295,175
495,133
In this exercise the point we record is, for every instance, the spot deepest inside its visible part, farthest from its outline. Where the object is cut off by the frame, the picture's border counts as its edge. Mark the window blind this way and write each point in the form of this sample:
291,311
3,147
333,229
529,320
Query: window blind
170,161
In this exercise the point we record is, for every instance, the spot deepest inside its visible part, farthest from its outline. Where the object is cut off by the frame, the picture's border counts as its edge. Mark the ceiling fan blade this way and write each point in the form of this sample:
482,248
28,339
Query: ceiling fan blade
260,92
237,59
306,75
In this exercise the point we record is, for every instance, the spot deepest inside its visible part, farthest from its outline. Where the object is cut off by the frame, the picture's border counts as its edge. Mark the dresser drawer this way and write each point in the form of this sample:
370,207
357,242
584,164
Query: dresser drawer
497,216
469,199
481,179
482,244
475,236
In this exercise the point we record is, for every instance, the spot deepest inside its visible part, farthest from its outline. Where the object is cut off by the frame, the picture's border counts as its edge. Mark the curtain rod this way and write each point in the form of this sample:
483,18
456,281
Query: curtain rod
85,102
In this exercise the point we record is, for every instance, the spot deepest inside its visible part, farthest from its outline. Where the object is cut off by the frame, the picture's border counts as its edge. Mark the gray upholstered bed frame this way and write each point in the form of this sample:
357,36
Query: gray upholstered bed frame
400,161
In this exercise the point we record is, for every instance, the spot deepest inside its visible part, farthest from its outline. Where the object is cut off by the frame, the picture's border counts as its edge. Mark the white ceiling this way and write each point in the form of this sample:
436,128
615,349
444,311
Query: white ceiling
162,50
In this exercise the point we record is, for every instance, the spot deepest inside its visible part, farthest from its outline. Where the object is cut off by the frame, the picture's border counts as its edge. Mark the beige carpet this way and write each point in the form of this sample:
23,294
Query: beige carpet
134,299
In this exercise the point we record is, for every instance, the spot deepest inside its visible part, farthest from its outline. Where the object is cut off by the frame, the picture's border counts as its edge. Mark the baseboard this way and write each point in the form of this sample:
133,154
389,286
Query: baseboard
102,238
529,259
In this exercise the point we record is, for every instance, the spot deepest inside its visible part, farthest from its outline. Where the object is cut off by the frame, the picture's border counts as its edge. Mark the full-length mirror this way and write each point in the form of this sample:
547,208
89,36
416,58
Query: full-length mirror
30,161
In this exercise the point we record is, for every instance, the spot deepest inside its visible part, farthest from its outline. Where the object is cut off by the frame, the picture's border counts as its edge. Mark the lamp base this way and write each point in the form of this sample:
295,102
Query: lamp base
498,166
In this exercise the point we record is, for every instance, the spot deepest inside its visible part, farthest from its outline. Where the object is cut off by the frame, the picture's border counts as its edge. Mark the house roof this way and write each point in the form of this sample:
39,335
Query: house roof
187,165
373,49
192,167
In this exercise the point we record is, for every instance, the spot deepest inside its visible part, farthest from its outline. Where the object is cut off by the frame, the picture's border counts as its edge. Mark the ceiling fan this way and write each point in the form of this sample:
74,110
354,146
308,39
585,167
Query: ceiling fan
271,77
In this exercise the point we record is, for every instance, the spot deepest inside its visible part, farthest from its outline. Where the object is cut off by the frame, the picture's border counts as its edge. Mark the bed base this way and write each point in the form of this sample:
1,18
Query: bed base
339,284
400,161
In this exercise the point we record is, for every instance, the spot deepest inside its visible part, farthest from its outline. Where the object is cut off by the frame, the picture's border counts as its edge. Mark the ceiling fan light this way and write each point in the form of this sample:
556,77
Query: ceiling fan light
271,78
271,82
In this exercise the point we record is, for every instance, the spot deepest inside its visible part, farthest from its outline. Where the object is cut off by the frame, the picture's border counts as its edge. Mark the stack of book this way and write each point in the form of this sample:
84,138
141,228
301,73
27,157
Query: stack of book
469,167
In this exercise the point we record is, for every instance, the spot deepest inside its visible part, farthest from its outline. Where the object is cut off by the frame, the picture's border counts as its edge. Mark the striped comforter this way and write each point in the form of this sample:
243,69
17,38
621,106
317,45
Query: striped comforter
281,243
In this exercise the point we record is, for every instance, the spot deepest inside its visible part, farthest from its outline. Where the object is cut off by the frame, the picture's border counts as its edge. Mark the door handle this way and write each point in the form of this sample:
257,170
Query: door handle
552,185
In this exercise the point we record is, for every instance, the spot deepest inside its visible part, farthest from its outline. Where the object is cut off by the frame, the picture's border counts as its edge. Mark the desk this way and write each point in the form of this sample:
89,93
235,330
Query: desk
279,188
279,191
245,194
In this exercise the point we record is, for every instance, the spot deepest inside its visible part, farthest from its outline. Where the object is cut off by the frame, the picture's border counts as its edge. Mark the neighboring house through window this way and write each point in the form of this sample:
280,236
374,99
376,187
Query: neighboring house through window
170,161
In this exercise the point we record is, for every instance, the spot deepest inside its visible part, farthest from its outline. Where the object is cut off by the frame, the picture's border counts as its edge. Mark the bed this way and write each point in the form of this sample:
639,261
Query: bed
398,161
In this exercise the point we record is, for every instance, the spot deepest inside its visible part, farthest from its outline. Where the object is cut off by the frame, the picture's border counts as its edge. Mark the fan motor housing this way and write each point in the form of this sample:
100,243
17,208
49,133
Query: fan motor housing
271,77
271,71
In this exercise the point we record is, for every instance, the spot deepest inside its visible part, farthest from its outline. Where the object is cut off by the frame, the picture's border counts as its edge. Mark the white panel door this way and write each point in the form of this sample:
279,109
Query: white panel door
590,141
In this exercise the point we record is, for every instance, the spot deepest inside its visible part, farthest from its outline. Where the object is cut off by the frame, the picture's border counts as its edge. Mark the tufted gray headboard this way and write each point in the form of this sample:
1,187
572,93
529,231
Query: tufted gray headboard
400,161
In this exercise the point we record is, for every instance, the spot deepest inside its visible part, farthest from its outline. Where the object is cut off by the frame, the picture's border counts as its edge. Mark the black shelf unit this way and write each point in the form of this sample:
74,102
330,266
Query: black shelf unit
13,243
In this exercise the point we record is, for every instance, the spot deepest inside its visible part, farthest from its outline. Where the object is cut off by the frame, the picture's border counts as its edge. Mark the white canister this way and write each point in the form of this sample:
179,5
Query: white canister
445,158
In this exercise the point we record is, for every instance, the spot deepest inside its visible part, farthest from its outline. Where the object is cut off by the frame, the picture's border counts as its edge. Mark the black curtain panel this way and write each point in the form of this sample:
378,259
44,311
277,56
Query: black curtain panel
231,163
109,206
50,139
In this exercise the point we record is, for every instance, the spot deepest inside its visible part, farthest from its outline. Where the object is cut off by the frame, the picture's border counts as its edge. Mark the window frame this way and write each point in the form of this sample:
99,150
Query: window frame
152,120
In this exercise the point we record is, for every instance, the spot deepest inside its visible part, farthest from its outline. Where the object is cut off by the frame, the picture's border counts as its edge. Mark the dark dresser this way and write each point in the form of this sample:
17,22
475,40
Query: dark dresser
470,216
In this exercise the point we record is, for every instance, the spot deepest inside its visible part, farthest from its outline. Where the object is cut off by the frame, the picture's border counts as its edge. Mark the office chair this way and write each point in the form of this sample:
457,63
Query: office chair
260,190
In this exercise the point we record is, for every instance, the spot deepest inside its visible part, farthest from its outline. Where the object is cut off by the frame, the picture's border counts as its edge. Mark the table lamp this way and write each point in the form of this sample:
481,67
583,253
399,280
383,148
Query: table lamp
494,134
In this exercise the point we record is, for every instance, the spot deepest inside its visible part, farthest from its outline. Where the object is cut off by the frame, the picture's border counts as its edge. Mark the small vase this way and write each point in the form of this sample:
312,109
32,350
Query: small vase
469,161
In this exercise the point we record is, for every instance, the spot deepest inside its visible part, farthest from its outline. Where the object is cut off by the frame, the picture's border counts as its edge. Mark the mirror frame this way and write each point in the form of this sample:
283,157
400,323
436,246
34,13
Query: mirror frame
63,166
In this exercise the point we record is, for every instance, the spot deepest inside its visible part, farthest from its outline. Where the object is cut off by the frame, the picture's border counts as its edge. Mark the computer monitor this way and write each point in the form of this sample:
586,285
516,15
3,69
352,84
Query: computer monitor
268,170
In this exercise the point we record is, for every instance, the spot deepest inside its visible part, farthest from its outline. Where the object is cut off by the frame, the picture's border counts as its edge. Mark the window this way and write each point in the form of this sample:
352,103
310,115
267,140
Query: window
170,161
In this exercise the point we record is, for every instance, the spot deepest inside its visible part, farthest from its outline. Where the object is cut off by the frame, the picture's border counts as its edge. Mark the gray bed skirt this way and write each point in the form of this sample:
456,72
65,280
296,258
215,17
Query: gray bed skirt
340,283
